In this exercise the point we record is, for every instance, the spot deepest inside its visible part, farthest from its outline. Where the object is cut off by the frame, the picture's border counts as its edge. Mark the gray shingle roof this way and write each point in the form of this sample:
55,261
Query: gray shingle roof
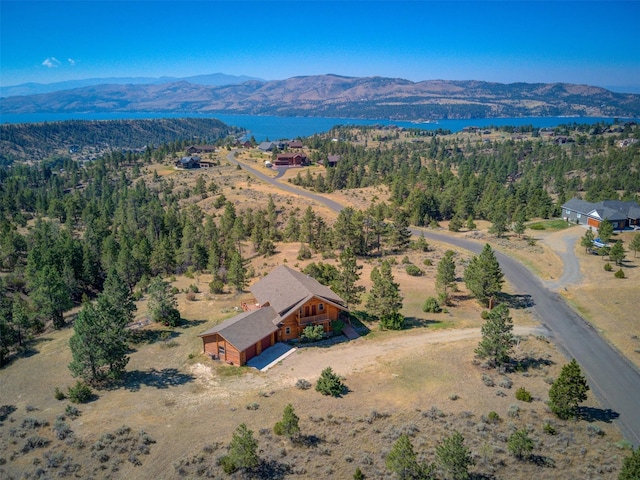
609,209
284,288
246,328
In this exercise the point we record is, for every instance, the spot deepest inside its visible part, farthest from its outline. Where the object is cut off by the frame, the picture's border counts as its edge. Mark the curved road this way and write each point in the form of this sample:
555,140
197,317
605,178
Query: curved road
612,378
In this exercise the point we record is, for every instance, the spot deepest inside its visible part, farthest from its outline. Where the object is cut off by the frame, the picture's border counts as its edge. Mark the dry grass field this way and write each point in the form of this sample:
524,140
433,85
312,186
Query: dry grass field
176,409
423,381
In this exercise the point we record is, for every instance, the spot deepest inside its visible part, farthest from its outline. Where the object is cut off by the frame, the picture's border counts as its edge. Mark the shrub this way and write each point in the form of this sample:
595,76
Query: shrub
62,430
194,288
414,271
216,286
505,382
80,392
59,394
312,333
406,261
191,296
549,428
619,274
303,384
337,326
523,395
394,321
519,444
608,267
71,411
493,417
329,383
427,262
488,380
514,411
431,305
304,253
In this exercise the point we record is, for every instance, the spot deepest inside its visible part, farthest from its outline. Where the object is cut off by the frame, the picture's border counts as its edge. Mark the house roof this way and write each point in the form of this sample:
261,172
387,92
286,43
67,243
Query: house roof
333,158
295,144
607,209
285,289
266,146
246,328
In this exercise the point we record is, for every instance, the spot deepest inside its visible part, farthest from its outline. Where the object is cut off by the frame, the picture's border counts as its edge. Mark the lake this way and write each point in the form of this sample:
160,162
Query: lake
281,128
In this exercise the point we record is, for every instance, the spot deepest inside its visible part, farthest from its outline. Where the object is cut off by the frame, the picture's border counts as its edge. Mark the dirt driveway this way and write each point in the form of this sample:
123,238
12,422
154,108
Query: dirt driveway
563,243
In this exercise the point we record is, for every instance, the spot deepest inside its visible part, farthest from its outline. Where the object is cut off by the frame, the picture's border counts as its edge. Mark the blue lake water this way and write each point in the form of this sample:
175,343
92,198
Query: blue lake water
280,128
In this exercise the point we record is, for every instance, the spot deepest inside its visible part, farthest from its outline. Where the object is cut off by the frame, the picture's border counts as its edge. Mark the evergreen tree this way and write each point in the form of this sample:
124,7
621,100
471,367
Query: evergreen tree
499,225
483,276
453,458
162,303
384,300
237,274
243,450
605,231
329,383
348,275
568,391
446,273
520,444
402,461
289,425
497,336
518,227
587,240
616,254
399,233
635,244
631,466
50,295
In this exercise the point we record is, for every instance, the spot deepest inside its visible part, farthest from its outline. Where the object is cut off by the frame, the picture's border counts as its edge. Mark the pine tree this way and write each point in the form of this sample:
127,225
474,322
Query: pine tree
402,461
453,458
384,300
237,274
243,450
329,383
520,444
483,276
587,240
289,425
497,336
162,303
446,273
348,276
635,244
631,466
399,233
605,231
50,295
568,391
616,254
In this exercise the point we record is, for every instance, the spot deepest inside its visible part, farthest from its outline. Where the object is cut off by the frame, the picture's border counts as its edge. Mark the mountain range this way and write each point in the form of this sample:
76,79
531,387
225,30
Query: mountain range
337,96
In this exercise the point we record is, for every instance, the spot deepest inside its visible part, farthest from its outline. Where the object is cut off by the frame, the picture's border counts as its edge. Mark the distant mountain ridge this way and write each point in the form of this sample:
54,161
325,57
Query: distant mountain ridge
216,79
339,96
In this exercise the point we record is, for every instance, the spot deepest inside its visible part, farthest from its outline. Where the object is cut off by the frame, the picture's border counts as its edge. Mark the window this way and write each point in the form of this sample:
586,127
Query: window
287,330
577,215
320,307
220,351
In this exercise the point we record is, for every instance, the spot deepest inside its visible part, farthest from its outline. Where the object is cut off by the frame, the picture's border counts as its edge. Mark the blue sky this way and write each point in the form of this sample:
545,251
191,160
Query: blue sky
588,42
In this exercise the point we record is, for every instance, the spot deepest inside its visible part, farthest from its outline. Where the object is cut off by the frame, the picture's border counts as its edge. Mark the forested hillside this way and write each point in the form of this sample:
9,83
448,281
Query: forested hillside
65,226
37,141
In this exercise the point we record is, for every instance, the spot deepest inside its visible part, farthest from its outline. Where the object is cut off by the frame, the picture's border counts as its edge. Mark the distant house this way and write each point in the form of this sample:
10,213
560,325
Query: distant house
286,301
295,144
201,149
188,162
332,160
620,214
267,146
291,159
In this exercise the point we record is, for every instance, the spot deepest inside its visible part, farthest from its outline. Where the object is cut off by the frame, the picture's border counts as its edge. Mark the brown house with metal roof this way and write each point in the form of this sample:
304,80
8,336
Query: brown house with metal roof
291,159
287,301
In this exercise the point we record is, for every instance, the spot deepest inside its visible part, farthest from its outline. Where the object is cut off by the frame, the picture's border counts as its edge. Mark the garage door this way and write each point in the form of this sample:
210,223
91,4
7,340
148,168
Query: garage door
251,352
266,343
592,222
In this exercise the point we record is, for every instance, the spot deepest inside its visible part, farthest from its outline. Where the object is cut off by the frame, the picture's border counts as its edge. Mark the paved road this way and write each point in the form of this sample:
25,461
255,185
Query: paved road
614,380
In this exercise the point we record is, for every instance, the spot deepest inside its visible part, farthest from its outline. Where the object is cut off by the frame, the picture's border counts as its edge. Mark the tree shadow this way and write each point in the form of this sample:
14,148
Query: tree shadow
6,410
413,322
516,301
190,323
147,336
542,461
528,363
309,441
270,468
165,378
28,349
592,414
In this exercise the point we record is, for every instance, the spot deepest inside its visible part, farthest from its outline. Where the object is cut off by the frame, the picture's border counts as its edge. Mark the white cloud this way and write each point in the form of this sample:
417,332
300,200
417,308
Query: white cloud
71,61
51,62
